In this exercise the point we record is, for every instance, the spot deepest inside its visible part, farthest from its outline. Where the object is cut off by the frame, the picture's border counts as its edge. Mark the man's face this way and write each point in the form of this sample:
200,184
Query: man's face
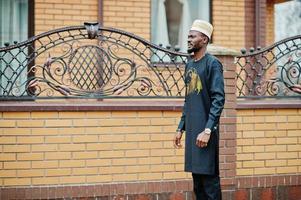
196,41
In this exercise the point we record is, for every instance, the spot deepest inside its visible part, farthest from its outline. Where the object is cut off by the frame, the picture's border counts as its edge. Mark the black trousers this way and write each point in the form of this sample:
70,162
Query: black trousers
207,187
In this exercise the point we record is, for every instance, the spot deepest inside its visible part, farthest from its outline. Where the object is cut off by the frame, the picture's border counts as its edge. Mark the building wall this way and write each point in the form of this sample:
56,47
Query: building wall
233,20
52,14
130,15
229,23
61,148
134,16
105,153
268,142
268,162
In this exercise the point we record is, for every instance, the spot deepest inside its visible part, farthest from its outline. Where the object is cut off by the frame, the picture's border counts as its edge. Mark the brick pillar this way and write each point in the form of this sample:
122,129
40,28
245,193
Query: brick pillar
228,123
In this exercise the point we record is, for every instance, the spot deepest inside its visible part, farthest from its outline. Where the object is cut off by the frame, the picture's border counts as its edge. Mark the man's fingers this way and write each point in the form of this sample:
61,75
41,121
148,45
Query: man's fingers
202,140
177,141
198,143
178,145
201,143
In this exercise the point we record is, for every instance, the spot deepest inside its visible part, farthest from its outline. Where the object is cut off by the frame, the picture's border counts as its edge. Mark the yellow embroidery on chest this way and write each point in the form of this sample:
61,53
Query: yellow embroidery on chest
195,83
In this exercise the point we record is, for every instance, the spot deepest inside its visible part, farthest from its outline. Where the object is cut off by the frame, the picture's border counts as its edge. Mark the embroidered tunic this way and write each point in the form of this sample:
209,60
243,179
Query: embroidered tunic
204,102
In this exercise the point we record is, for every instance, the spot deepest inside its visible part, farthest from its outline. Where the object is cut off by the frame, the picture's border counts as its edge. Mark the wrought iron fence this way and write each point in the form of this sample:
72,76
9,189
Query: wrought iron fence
271,72
89,62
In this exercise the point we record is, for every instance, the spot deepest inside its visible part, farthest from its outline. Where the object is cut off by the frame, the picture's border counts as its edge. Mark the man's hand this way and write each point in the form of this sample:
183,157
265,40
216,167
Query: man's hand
202,139
177,139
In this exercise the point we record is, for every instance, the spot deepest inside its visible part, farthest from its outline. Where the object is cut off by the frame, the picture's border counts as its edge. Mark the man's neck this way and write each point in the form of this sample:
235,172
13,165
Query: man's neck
199,54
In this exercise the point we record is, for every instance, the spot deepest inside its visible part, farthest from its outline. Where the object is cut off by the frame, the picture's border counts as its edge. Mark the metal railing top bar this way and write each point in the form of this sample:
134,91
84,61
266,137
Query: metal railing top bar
83,27
260,50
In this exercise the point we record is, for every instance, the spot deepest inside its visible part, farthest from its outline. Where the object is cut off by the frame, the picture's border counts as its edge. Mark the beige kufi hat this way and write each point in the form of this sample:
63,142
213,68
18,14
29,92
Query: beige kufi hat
203,27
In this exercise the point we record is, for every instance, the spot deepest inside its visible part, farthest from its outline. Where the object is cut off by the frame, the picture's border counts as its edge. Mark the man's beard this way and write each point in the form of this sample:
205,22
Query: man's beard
192,50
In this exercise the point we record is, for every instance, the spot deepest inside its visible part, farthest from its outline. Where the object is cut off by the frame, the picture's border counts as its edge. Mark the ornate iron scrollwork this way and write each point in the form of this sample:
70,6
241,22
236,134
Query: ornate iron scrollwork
90,62
271,72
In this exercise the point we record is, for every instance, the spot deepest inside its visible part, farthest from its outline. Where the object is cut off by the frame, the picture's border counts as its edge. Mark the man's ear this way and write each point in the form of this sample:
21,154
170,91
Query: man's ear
206,40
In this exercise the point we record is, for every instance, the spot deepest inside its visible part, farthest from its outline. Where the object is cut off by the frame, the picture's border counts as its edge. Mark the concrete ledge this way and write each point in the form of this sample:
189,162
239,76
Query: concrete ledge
267,103
105,105
222,51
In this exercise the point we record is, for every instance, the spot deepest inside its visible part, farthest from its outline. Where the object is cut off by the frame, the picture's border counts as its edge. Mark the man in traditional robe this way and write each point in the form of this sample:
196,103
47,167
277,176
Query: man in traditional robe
204,102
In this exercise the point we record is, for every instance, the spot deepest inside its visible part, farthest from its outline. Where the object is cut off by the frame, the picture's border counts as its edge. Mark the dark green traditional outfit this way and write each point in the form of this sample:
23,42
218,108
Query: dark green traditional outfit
204,102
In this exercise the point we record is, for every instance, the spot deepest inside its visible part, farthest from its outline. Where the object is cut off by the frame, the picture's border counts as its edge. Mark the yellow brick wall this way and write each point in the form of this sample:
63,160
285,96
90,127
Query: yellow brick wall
52,14
52,148
268,141
135,16
228,20
130,15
